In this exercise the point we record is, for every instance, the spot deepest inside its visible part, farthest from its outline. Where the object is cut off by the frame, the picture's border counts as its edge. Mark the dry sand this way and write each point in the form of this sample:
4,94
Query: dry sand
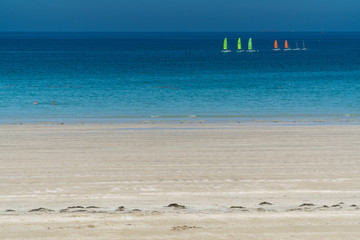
307,178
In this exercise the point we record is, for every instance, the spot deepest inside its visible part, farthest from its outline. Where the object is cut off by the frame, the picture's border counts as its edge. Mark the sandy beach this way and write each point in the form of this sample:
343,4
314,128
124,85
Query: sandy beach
224,181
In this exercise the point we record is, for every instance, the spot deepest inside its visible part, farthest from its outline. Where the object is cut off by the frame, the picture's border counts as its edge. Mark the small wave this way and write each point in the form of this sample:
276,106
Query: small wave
258,117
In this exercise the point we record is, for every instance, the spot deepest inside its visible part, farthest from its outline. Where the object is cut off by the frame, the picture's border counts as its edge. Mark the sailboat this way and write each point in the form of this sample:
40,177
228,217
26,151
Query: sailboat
239,46
225,50
287,46
297,47
304,48
250,46
276,46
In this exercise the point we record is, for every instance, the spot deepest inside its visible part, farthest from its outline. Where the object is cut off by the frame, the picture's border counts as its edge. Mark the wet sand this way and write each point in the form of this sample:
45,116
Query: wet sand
254,181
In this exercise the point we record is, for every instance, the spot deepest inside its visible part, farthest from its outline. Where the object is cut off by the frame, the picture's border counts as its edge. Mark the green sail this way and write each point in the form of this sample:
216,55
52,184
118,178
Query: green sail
225,44
239,44
250,44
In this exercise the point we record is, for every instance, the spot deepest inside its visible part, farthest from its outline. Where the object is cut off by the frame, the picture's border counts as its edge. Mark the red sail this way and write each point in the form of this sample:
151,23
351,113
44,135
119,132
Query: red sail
275,44
286,44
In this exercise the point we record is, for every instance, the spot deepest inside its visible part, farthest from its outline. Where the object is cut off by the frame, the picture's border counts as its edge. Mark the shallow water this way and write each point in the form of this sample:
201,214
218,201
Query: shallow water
116,77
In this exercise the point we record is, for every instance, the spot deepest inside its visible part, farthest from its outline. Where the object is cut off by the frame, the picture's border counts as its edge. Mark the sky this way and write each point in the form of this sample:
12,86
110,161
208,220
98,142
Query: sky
179,15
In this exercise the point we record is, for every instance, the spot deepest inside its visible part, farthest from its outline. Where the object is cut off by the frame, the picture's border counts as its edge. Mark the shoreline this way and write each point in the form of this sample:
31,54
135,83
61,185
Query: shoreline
290,122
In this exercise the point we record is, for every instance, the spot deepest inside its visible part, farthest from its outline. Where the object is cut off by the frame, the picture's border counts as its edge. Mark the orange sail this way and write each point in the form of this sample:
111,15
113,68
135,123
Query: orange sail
286,44
275,44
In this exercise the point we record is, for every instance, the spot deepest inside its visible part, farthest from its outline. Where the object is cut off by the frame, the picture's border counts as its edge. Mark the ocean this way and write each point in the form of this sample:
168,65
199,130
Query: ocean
165,77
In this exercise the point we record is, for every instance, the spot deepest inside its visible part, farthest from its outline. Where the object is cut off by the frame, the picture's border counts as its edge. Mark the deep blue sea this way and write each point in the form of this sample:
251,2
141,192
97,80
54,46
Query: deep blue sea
116,77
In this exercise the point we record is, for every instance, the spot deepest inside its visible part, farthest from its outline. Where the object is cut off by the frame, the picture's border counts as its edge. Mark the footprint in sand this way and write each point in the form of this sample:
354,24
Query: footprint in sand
182,228
261,210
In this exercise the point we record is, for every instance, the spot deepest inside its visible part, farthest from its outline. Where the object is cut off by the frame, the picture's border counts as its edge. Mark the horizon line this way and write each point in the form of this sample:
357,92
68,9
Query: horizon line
255,31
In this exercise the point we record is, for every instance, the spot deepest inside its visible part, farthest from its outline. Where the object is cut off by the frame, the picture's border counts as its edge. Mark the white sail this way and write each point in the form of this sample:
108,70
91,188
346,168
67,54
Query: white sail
304,48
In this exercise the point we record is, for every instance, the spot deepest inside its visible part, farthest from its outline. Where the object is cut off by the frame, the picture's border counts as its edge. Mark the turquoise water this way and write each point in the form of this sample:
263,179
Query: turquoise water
112,77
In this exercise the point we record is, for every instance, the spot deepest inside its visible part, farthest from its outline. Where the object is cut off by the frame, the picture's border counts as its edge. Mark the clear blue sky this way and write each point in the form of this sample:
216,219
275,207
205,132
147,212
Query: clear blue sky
179,15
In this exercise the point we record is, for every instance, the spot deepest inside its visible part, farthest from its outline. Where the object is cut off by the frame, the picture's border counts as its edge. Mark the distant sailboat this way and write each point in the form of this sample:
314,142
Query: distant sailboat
287,46
250,46
276,46
225,46
304,48
239,46
297,47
